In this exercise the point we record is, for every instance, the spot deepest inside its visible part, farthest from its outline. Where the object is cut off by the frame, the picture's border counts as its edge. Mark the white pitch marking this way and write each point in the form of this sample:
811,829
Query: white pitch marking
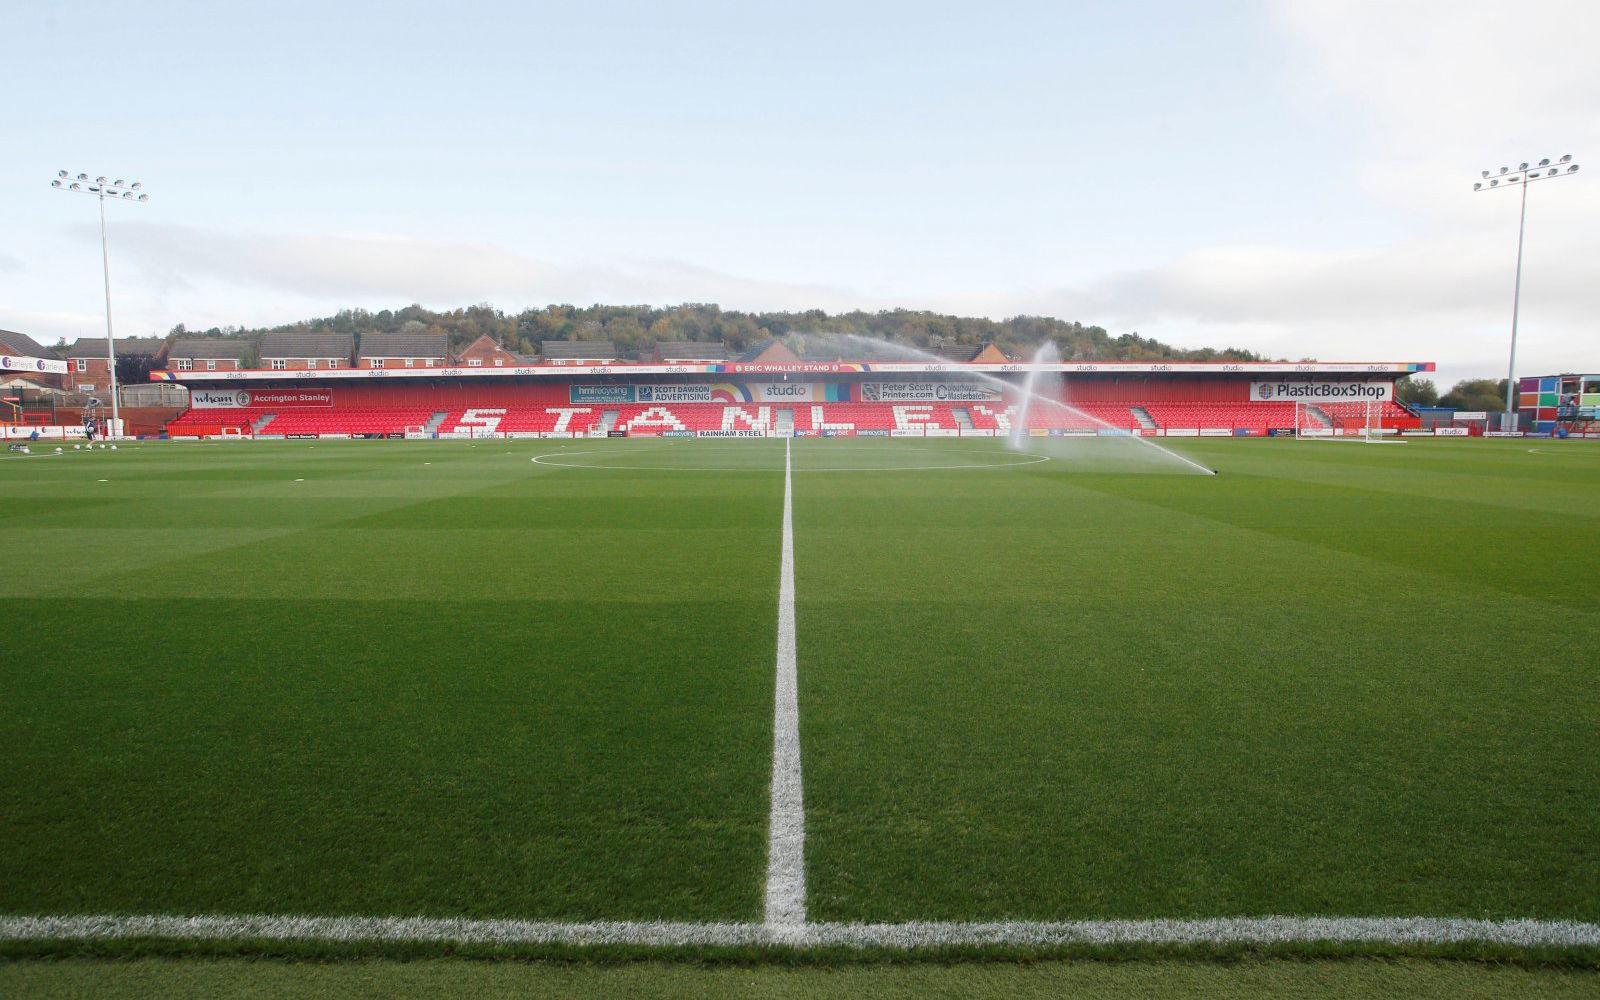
786,829
915,934
1353,440
545,460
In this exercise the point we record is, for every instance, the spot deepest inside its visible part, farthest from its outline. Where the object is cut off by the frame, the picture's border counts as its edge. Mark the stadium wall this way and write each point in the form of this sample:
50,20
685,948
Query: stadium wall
1254,397
447,395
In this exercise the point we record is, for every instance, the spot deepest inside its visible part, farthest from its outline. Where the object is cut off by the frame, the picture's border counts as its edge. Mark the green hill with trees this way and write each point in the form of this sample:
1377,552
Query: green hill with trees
632,328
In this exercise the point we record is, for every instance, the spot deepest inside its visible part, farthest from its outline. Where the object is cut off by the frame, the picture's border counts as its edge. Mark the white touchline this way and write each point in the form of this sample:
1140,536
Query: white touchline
910,935
786,830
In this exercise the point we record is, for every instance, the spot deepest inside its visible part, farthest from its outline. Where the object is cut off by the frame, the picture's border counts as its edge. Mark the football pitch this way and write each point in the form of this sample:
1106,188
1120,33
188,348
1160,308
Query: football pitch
764,696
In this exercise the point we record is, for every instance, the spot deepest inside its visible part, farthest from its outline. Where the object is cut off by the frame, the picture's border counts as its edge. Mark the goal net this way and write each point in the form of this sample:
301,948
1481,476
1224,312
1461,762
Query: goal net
1348,421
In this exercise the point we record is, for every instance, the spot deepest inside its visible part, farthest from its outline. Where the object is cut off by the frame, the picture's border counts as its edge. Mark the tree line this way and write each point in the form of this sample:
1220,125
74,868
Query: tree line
1468,394
634,328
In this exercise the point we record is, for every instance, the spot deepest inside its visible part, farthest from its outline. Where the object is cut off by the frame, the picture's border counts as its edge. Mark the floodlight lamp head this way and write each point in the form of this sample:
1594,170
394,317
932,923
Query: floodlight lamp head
61,173
1567,158
1477,186
118,182
99,180
1486,173
1572,169
83,177
1544,162
1494,184
56,183
74,186
137,185
144,197
1522,166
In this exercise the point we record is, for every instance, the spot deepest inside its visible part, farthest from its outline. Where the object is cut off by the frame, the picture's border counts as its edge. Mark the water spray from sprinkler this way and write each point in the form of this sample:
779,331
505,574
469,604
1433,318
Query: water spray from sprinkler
886,351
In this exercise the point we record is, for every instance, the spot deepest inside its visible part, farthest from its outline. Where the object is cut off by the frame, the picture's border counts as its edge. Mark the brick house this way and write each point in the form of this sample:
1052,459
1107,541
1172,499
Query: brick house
207,355
303,351
403,350
87,370
486,352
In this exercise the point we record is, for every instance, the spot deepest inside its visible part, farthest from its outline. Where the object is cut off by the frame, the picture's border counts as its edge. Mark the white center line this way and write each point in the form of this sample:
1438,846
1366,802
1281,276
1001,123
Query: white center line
1438,931
786,832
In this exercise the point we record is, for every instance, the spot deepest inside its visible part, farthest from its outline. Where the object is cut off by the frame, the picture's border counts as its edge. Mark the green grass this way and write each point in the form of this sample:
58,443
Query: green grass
472,688
386,678
213,979
1297,687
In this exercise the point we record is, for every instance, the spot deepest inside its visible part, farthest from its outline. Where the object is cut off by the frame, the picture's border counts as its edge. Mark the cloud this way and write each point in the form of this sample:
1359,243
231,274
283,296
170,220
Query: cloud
1434,282
1438,91
48,327
1439,299
1453,73
343,268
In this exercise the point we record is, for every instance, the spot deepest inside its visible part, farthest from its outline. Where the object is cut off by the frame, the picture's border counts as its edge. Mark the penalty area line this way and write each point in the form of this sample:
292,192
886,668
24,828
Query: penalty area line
904,936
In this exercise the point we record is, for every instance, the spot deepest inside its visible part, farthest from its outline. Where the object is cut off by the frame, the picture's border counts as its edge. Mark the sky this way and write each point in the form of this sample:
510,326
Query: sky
1289,176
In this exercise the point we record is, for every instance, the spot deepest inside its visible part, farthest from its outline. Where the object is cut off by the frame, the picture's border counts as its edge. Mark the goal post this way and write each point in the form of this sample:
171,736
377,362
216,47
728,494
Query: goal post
416,431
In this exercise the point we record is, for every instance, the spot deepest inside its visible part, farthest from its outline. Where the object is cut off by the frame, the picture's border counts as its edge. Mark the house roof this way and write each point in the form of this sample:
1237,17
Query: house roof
404,345
578,349
127,347
209,348
24,345
704,350
307,345
781,353
960,353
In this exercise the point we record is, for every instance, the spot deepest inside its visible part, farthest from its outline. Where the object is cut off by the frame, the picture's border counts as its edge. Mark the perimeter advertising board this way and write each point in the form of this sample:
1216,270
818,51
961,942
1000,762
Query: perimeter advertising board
930,392
239,399
601,393
784,392
1321,392
14,363
702,392
667,392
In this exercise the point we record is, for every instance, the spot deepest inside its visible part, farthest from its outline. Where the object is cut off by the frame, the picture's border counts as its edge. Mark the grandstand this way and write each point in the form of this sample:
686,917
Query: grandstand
715,398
